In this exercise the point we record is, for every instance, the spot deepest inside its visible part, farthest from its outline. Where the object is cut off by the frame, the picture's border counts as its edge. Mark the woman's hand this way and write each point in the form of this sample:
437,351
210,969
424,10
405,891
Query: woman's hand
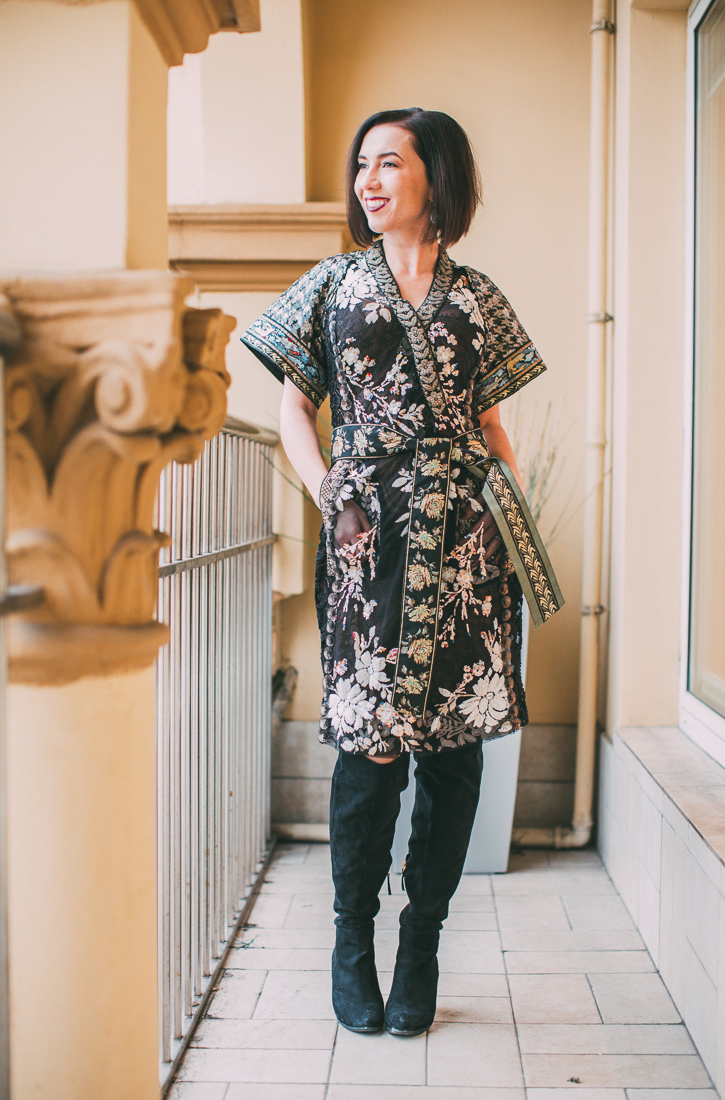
351,522
490,537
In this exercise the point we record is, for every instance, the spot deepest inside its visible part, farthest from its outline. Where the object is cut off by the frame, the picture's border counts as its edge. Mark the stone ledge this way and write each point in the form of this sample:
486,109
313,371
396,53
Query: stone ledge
254,247
691,780
660,834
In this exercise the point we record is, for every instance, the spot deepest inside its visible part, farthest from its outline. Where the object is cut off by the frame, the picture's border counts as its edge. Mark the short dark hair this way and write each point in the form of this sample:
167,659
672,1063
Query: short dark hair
443,146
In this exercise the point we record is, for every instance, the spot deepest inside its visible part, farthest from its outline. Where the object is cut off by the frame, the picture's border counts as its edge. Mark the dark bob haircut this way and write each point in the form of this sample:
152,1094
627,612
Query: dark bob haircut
443,146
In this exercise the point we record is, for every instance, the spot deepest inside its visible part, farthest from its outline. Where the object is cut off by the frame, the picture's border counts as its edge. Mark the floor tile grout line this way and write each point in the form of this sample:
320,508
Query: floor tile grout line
425,1056
259,995
566,911
332,1057
292,897
508,983
594,996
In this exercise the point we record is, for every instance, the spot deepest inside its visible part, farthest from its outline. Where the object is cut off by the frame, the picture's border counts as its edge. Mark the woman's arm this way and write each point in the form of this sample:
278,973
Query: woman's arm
499,447
298,428
497,441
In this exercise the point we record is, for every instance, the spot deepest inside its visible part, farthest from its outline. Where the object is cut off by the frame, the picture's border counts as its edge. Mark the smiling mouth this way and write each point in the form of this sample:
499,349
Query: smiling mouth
373,205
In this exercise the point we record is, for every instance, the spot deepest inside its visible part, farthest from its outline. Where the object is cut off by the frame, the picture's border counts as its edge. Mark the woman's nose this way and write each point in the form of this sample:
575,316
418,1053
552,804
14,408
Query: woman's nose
369,179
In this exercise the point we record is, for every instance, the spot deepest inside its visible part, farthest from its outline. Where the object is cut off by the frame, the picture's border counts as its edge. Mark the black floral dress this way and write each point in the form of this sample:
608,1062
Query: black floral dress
421,638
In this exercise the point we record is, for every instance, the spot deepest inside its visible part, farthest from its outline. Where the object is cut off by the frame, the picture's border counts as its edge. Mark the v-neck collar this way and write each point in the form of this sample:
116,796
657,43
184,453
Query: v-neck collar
415,322
442,280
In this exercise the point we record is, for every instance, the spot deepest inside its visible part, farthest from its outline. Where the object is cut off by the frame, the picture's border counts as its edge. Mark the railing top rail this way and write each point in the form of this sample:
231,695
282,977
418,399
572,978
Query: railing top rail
250,431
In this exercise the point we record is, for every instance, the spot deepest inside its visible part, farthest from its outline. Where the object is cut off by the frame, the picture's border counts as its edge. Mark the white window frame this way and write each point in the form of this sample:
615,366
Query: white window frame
700,722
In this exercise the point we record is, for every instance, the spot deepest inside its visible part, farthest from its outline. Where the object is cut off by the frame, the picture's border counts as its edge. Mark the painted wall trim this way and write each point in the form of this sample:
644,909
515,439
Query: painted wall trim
660,5
184,26
254,247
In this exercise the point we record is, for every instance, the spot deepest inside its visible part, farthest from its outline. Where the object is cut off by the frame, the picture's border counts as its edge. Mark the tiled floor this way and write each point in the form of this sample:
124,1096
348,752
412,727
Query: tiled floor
546,991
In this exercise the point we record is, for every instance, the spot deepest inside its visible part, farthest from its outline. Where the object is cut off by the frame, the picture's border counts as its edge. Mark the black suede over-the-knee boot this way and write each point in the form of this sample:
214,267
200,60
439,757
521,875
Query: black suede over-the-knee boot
447,790
364,806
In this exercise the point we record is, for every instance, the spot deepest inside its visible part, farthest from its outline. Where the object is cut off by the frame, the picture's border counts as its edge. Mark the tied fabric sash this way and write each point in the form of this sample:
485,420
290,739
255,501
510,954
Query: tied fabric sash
426,539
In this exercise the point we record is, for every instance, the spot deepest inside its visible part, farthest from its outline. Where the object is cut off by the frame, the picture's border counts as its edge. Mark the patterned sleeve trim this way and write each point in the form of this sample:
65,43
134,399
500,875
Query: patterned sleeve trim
286,356
289,337
518,370
509,359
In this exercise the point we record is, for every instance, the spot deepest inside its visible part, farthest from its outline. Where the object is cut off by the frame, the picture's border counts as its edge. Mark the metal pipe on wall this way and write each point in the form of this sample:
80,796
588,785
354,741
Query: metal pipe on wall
579,833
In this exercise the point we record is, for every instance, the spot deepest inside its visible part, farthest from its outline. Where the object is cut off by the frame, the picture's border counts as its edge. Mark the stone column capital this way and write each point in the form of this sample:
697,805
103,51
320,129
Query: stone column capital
114,378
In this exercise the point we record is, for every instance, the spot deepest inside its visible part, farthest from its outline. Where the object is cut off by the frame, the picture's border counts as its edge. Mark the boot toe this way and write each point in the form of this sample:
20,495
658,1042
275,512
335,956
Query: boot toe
364,1019
408,1023
363,1029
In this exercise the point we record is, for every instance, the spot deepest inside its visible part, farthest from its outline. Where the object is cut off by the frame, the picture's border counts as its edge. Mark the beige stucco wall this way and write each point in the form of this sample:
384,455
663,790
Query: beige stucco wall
515,73
236,116
650,362
236,135
82,121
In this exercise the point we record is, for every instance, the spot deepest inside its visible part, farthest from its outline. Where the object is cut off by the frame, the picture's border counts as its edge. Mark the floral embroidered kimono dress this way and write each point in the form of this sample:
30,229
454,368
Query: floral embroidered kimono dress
421,638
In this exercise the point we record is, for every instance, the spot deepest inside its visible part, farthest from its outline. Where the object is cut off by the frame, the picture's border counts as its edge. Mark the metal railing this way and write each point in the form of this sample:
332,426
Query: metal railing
213,714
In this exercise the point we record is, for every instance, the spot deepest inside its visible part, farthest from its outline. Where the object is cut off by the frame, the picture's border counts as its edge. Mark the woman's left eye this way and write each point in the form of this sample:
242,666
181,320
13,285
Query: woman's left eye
389,164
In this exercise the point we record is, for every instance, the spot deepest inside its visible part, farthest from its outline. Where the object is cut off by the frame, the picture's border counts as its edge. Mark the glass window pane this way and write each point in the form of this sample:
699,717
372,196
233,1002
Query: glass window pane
707,613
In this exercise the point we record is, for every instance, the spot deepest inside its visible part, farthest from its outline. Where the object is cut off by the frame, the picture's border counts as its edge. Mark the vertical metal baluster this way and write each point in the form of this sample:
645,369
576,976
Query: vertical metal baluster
177,733
250,640
164,704
204,730
214,717
234,609
256,687
251,669
229,792
193,619
184,756
229,628
243,697
220,927
198,666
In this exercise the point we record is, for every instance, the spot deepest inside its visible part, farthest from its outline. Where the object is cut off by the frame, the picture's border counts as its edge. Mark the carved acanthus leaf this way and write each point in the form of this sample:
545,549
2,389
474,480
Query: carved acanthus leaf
114,379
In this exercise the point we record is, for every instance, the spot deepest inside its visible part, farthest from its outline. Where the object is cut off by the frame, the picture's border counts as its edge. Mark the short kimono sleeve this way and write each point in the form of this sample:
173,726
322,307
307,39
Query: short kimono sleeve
289,337
508,357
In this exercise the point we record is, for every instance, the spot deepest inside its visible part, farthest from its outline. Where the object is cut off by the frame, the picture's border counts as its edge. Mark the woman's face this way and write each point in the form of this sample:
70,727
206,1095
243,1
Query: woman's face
391,183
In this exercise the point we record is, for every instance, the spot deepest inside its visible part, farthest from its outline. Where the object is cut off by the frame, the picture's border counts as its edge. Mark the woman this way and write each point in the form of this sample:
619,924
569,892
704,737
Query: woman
418,601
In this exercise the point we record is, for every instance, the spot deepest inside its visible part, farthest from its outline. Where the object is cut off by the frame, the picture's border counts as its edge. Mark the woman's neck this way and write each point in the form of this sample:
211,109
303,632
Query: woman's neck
413,265
412,258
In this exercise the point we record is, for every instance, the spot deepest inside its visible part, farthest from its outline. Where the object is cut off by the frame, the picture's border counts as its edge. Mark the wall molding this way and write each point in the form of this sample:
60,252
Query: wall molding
660,5
254,247
184,26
